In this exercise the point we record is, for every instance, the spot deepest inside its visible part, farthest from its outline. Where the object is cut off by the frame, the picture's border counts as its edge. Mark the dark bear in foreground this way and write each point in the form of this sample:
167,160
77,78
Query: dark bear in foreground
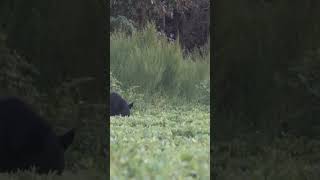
26,140
119,106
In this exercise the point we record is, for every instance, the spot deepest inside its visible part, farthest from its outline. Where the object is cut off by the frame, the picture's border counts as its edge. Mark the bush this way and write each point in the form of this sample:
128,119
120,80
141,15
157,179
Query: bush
155,66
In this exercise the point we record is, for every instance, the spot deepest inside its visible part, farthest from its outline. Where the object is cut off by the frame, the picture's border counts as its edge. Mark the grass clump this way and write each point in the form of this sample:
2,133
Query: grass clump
154,65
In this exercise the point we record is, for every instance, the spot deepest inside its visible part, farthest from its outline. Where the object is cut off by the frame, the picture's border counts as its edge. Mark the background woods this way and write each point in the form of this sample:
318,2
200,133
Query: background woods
188,19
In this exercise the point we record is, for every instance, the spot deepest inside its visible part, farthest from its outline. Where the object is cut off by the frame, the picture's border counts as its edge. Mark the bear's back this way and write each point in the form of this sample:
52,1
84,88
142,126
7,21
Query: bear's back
18,119
118,106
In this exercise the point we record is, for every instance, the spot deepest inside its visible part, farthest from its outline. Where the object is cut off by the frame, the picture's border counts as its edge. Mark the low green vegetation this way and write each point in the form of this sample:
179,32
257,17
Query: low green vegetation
161,142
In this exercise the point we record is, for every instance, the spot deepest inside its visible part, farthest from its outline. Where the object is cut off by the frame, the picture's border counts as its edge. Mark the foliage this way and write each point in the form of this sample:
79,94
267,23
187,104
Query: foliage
115,85
121,23
307,73
302,81
163,141
152,65
16,74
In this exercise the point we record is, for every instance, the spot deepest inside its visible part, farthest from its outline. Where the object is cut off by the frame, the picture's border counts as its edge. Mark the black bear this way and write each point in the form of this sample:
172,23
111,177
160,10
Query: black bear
119,106
27,141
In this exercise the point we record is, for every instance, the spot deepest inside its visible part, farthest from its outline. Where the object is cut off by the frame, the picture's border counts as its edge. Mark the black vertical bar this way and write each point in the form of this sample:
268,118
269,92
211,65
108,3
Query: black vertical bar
107,70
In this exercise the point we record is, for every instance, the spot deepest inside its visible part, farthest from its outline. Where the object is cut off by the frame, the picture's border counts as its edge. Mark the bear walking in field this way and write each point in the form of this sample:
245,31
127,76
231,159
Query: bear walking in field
26,140
119,106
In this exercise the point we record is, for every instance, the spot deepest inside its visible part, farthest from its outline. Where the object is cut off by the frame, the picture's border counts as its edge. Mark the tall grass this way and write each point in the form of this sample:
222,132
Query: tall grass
155,66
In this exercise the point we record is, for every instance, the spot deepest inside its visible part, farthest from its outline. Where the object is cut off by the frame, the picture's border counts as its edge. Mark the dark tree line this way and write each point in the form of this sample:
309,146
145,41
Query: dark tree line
188,19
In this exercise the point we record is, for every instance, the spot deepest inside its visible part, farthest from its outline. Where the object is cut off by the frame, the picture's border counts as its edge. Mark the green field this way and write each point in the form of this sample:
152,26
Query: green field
161,142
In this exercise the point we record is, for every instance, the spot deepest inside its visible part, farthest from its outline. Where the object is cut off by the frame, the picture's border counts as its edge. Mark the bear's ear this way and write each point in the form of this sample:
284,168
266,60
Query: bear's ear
130,105
66,139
